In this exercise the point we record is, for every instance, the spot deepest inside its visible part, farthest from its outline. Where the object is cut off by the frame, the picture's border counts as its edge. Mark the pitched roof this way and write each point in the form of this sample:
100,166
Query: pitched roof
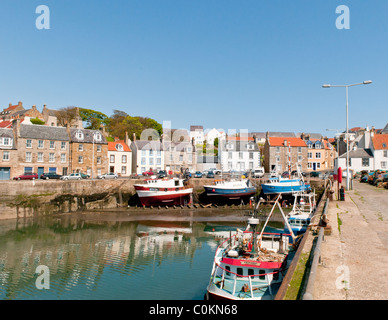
43,132
112,145
232,138
87,136
239,145
379,141
293,142
359,153
5,124
148,145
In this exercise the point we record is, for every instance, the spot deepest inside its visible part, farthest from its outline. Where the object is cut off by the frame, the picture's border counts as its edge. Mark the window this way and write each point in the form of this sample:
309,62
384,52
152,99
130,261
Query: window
40,144
318,164
251,155
365,162
250,165
52,144
309,165
143,153
190,158
300,158
151,161
240,271
159,153
111,158
251,273
97,136
98,160
384,145
80,147
262,272
158,161
227,268
240,155
5,155
80,159
79,135
143,161
7,141
318,155
124,159
27,169
383,164
119,147
385,153
63,157
52,157
299,149
28,157
277,149
277,158
28,143
40,157
63,145
181,157
98,148
124,170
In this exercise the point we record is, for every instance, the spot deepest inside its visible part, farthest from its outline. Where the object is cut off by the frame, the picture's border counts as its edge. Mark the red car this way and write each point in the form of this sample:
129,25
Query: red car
27,176
148,173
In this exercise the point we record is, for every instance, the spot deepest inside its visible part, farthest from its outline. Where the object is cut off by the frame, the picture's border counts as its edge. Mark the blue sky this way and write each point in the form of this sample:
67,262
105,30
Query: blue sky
248,64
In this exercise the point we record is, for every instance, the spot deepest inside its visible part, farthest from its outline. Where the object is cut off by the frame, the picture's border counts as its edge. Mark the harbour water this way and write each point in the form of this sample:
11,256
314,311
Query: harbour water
108,259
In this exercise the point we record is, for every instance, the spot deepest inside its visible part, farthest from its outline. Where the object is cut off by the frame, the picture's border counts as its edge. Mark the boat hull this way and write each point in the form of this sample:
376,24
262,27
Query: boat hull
274,188
229,193
155,198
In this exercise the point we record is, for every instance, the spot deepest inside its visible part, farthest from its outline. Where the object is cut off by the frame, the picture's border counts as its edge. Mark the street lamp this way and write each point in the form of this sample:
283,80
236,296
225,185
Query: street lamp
347,121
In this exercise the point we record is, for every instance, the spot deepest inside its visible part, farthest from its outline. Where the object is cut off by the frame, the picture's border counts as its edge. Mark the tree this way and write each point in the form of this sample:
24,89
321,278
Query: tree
93,118
37,121
66,116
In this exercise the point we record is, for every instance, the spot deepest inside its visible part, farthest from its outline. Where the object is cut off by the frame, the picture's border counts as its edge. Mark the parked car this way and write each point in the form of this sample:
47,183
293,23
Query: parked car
50,175
314,174
295,172
84,176
258,173
72,176
27,176
162,174
109,175
148,173
198,174
215,171
210,174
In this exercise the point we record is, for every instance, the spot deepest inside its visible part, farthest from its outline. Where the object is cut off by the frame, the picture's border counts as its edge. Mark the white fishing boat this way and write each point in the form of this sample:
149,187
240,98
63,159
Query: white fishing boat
162,192
250,265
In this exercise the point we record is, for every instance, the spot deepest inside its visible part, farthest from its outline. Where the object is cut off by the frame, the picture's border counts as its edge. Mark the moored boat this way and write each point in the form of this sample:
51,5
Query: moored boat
162,192
303,209
232,190
284,185
250,265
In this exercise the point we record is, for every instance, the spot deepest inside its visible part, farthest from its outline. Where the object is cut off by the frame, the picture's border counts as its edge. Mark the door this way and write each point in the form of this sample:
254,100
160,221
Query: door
40,171
5,173
314,166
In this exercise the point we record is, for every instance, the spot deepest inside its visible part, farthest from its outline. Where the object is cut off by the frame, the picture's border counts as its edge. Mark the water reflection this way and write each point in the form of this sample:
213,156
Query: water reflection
108,259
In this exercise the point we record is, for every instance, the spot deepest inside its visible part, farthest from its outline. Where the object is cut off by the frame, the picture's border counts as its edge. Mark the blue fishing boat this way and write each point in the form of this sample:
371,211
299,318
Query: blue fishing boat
230,189
285,185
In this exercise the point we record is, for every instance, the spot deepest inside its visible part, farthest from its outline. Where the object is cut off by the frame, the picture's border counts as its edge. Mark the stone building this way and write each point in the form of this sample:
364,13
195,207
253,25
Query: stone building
40,149
8,154
179,156
88,151
280,152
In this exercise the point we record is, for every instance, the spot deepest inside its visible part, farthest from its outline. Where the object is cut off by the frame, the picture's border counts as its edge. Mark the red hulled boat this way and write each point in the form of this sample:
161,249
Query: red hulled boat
162,192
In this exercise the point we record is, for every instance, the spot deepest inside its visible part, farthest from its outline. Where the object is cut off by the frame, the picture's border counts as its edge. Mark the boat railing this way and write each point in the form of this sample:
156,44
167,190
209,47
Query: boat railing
254,283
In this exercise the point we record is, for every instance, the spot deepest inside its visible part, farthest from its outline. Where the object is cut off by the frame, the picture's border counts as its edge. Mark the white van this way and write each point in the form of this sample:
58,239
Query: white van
258,173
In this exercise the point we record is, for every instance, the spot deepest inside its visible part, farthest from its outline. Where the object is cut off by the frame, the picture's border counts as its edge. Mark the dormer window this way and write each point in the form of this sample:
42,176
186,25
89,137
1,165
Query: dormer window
119,147
97,136
79,135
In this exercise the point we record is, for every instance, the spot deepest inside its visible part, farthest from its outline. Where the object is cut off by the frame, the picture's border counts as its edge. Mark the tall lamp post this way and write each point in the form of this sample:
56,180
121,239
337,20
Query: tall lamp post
347,121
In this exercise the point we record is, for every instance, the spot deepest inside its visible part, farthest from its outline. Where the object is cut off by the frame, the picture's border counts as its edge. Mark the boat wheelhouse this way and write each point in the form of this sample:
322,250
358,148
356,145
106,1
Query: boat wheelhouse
250,265
303,209
162,192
